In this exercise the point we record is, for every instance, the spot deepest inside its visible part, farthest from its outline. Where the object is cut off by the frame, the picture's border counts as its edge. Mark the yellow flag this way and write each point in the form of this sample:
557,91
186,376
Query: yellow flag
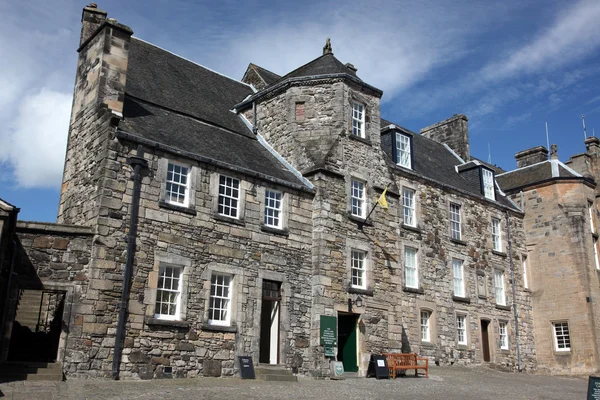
382,201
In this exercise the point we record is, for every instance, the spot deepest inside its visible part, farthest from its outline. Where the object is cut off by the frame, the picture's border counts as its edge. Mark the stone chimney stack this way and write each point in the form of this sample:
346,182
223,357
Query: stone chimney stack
91,19
531,156
454,132
592,145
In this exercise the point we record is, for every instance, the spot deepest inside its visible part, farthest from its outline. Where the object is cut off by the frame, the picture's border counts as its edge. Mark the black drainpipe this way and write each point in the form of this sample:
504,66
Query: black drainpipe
138,162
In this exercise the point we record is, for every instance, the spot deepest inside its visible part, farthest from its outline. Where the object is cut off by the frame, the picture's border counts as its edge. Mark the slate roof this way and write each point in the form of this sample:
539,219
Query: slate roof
533,174
186,107
326,64
266,75
432,160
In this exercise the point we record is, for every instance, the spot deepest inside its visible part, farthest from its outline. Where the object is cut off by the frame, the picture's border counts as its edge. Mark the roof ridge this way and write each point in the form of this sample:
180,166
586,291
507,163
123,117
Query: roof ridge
193,62
264,69
522,168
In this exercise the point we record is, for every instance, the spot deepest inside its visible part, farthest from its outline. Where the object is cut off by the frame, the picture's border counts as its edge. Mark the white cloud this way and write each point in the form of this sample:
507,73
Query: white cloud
35,148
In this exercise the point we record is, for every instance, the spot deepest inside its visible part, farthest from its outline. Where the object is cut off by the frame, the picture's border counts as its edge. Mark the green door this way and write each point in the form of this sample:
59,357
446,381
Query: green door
347,342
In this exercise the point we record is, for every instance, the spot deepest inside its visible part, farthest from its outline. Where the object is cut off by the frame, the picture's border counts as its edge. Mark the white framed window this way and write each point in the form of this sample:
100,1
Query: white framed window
408,206
219,309
455,223
168,293
496,234
177,184
359,270
273,208
461,329
358,119
503,333
596,253
229,196
459,280
499,288
488,183
358,206
425,326
411,270
562,339
525,281
591,216
403,150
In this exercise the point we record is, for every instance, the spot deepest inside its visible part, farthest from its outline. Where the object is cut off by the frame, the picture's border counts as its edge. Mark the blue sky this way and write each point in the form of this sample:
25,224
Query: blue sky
510,67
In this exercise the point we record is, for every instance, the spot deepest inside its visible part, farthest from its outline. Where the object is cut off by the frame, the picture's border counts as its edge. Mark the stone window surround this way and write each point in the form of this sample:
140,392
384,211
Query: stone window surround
285,209
417,203
555,351
525,270
503,271
502,233
167,259
508,342
591,214
236,297
161,175
367,189
422,305
417,246
452,255
309,112
353,244
463,313
463,295
214,190
355,97
461,203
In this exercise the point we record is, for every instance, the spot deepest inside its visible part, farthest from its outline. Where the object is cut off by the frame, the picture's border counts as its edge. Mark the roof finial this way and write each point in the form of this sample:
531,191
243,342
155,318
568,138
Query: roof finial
554,151
327,48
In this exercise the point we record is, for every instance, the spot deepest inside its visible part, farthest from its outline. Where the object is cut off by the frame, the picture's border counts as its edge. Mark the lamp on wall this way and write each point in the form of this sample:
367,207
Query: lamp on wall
358,302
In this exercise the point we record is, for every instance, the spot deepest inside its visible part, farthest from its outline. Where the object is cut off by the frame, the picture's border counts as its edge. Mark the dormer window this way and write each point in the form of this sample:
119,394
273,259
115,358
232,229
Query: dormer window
358,119
487,177
403,151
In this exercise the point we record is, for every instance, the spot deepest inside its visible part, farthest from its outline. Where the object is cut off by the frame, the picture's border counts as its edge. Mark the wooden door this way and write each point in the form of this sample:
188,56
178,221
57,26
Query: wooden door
485,340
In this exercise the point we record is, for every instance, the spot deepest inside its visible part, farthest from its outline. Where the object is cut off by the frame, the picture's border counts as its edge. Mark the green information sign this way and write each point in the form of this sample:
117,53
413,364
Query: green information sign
328,331
329,351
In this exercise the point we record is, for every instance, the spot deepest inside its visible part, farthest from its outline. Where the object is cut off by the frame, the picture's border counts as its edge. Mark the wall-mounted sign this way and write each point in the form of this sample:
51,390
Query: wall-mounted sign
328,331
593,388
329,351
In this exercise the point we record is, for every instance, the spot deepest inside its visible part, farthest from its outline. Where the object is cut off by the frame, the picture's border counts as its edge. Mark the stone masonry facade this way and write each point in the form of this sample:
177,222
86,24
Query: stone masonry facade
309,256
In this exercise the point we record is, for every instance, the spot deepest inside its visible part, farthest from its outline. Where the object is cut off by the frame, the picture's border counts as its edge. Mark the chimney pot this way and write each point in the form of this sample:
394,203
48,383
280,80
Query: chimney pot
351,67
92,5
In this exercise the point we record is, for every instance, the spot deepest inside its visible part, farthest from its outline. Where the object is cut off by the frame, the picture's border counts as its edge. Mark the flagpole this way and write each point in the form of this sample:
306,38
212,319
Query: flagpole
361,224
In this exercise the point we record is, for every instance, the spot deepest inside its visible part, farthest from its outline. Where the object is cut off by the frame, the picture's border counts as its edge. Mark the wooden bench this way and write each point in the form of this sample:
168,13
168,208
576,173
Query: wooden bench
399,362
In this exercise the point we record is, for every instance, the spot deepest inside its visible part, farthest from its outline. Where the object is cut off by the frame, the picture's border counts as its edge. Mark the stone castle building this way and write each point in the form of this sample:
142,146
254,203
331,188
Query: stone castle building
560,266
203,218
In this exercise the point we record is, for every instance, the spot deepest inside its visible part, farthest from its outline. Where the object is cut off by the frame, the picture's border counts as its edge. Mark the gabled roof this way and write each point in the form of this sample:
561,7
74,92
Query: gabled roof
534,174
184,108
267,76
434,161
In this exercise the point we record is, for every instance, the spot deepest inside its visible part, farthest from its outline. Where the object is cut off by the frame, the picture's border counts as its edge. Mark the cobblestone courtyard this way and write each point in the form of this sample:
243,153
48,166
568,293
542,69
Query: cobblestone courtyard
447,383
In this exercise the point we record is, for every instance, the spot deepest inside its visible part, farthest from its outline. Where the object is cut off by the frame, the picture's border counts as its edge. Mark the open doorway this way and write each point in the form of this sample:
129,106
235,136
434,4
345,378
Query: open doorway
37,326
348,341
485,340
269,322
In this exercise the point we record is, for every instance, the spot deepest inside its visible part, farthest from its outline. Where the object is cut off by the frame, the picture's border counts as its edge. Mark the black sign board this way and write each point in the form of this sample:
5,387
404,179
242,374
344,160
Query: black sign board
593,388
378,367
246,368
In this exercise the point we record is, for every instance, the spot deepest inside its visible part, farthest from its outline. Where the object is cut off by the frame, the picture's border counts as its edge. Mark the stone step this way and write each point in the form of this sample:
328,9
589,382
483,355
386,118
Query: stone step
278,378
30,371
279,373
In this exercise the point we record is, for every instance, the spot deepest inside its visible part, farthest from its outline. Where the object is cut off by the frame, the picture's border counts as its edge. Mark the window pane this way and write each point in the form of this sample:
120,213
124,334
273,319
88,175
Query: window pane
219,303
358,269
408,205
358,198
228,196
403,151
455,223
410,268
176,189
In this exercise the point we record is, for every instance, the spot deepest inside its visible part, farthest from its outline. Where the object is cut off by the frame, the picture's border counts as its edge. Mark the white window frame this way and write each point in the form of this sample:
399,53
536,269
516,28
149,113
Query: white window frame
458,273
358,203
503,335
224,183
487,177
496,234
596,258
171,181
403,150
171,273
499,291
591,216
358,119
461,329
408,207
358,269
411,268
525,280
215,297
425,320
562,340
455,221
273,208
